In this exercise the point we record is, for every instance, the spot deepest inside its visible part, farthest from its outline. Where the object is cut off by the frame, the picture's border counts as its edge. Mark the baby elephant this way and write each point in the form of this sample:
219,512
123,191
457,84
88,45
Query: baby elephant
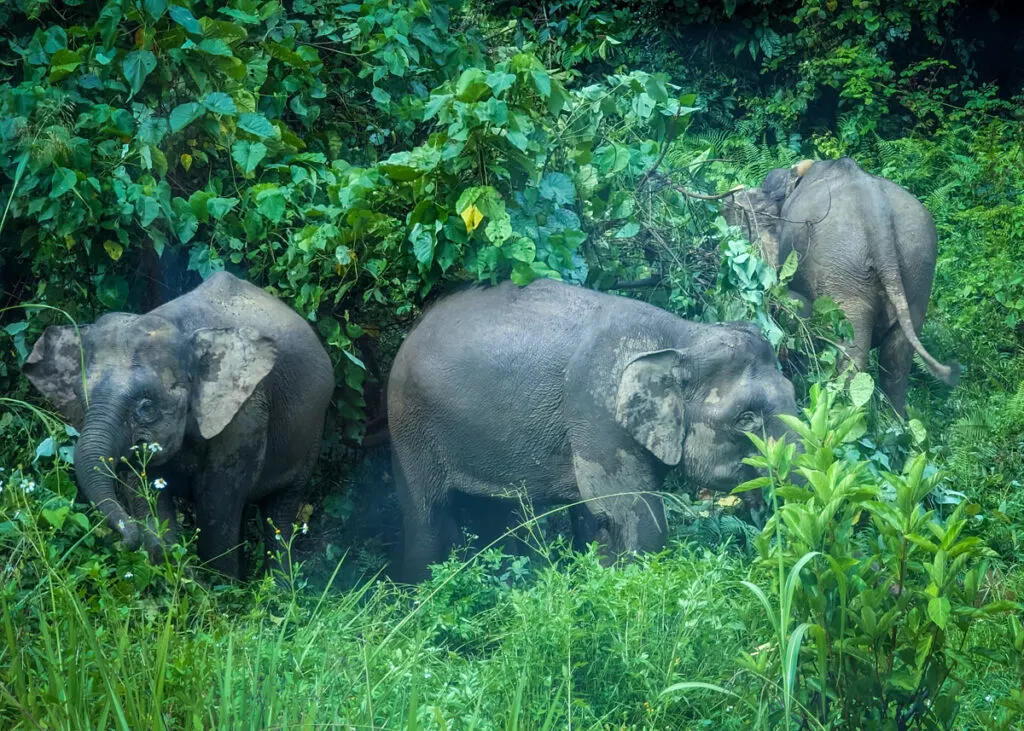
231,383
579,396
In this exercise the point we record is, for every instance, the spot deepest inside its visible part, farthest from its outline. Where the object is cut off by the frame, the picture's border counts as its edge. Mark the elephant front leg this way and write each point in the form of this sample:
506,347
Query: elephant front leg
626,513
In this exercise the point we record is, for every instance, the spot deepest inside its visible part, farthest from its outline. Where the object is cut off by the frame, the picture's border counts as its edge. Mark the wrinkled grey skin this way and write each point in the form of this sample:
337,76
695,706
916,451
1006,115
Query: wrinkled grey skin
577,394
863,241
230,382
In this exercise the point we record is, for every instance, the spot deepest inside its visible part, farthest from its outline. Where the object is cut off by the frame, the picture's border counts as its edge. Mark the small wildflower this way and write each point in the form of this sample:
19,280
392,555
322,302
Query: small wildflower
159,483
305,528
153,448
135,447
426,675
129,575
120,525
988,698
28,486
277,534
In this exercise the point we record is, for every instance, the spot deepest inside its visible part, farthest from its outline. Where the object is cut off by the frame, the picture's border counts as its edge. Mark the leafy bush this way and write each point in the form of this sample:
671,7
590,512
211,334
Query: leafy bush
875,603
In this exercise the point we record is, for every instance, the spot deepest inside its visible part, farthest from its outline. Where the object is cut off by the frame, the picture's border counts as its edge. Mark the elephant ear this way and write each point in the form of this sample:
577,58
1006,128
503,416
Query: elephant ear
55,369
231,362
649,403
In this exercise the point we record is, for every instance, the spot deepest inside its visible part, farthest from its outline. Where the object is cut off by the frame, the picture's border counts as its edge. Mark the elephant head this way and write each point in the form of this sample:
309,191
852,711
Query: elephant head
694,405
129,379
756,211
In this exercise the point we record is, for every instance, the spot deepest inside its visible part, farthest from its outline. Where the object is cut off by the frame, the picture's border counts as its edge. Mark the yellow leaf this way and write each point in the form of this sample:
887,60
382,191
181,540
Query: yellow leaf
186,161
729,501
114,249
69,241
305,513
472,217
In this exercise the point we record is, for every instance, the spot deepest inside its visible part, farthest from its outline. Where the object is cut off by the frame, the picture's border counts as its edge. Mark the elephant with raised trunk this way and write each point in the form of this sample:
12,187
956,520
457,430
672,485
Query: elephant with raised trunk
863,241
579,396
230,382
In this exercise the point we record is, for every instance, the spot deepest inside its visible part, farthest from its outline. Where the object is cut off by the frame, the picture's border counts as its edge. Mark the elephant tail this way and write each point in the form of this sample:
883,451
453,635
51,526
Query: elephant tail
892,282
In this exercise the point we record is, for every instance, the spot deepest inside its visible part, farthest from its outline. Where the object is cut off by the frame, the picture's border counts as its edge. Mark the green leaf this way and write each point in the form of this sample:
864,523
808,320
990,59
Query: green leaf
62,181
917,431
522,249
499,229
422,244
62,64
939,610
256,124
472,85
219,207
137,65
380,96
499,81
215,47
542,83
628,231
248,154
271,203
518,140
220,103
155,8
185,114
862,387
183,17
788,267
558,188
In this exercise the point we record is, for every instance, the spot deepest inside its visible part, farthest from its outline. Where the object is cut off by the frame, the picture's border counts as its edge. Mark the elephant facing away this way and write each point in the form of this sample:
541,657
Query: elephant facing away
579,396
863,241
229,381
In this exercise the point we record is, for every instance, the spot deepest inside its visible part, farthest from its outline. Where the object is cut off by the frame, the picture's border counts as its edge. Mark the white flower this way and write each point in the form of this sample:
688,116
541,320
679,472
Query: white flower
305,528
154,448
129,575
988,698
426,675
28,486
120,525
159,483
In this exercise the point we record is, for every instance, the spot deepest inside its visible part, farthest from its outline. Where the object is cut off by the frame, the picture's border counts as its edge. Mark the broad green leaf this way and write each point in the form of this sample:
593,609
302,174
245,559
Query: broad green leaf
380,96
788,267
114,250
155,8
248,154
628,231
185,114
522,275
611,159
518,140
220,103
558,188
183,17
542,83
522,249
499,229
862,387
939,610
256,124
137,65
62,64
215,47
422,244
219,207
62,181
917,431
271,203
499,81
472,85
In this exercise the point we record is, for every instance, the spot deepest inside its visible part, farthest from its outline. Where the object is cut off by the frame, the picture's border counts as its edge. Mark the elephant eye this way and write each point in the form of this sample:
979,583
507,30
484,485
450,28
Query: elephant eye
146,411
748,421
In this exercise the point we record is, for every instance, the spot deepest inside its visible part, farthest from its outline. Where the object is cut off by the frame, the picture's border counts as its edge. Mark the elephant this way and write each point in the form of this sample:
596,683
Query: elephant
231,383
583,398
863,241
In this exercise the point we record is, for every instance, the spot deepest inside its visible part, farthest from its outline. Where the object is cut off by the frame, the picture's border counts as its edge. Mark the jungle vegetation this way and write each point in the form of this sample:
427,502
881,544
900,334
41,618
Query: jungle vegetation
358,159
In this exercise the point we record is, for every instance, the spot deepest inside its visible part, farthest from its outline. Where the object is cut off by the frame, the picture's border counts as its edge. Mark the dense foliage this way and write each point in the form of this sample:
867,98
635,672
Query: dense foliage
357,160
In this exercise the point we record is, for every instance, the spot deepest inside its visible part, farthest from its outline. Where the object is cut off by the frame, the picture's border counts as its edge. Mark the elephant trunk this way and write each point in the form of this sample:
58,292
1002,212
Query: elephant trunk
104,436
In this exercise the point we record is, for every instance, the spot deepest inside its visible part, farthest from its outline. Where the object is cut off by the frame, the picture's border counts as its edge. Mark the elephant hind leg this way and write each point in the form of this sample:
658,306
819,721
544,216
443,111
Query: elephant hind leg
428,518
895,356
